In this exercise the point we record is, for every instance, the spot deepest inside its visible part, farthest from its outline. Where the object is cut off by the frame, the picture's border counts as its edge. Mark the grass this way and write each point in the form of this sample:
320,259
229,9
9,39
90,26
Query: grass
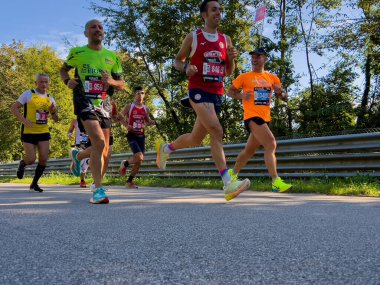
357,186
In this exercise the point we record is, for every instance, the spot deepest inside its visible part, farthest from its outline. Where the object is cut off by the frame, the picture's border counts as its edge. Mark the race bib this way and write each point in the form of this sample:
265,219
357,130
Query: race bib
41,117
262,96
213,70
138,126
95,91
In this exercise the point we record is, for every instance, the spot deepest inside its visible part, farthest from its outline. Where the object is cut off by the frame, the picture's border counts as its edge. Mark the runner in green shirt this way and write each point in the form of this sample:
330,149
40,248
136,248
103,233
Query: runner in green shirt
97,75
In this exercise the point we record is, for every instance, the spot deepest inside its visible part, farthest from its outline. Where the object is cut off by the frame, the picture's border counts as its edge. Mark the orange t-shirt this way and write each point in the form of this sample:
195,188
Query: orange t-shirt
261,85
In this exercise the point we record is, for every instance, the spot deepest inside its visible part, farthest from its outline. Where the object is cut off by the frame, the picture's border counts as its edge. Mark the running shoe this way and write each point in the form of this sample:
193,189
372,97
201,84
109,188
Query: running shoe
280,186
161,156
21,169
75,165
232,174
35,188
122,169
132,185
235,187
99,196
82,184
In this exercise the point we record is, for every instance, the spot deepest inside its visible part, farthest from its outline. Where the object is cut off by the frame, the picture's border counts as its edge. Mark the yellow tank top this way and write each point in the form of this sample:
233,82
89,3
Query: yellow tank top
37,111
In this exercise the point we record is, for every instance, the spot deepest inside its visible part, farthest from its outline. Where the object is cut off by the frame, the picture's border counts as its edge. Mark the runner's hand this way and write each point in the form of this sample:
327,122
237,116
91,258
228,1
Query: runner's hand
191,70
232,52
72,83
52,109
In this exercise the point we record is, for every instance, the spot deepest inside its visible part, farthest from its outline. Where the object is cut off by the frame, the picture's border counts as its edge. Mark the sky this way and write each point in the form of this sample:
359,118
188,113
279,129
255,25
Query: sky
49,22
45,21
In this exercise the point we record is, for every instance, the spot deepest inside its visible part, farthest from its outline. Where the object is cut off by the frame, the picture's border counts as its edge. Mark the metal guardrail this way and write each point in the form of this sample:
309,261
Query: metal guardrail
331,156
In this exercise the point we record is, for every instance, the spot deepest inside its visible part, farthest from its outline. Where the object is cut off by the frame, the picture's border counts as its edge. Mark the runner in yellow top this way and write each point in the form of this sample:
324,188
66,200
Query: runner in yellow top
258,86
35,130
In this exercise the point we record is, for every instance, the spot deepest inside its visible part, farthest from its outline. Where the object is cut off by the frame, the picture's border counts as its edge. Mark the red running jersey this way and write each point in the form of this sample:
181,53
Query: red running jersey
136,119
210,60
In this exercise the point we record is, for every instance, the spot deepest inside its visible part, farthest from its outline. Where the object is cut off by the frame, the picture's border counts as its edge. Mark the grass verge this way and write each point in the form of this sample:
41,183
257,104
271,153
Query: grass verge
357,186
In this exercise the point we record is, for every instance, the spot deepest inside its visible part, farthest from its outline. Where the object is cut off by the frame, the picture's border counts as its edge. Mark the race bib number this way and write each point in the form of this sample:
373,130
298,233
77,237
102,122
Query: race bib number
262,96
138,126
41,117
213,71
94,86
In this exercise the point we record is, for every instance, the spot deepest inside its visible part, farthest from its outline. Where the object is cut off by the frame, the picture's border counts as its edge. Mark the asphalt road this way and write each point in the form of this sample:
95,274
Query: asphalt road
184,236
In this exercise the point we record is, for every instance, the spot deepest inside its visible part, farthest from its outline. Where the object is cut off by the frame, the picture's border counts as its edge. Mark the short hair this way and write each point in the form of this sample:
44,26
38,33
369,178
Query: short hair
89,22
38,75
138,88
203,6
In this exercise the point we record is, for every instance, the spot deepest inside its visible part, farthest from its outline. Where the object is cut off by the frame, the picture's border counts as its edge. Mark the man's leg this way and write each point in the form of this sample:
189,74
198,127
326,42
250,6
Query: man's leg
247,153
106,151
265,137
43,154
29,158
96,136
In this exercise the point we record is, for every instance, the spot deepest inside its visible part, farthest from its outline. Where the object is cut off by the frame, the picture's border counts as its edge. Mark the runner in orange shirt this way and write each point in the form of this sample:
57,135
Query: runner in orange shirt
258,86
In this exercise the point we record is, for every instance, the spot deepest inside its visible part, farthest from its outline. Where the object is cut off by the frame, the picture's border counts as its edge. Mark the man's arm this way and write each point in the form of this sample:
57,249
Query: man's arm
232,53
148,121
112,80
15,111
64,73
180,59
234,93
280,92
124,114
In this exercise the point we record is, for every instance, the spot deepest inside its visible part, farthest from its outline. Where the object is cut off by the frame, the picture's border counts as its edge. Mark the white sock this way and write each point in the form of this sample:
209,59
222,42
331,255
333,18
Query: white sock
167,149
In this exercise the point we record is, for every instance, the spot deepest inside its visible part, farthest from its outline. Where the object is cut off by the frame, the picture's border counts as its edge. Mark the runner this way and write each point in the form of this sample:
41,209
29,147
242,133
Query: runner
136,116
81,142
258,86
212,57
97,75
35,133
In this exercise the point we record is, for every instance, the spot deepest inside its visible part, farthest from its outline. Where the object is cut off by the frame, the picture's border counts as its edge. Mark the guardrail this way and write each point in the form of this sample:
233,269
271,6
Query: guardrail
332,156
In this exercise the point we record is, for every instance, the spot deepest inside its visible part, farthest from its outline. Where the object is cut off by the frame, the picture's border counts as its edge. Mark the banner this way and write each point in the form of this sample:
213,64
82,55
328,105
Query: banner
260,13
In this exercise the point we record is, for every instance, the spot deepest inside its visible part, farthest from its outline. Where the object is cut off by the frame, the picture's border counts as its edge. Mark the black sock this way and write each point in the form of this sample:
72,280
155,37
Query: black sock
126,163
38,173
130,178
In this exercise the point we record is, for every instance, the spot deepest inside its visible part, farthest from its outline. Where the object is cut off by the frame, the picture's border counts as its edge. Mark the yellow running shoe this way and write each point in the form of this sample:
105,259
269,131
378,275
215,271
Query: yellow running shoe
233,175
161,156
235,187
280,186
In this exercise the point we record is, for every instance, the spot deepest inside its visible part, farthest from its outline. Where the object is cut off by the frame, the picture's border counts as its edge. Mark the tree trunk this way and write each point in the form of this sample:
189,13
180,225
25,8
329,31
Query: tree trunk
364,104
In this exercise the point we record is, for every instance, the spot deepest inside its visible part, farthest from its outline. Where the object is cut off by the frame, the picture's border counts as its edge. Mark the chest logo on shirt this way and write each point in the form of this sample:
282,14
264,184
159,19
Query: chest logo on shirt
221,45
212,54
109,61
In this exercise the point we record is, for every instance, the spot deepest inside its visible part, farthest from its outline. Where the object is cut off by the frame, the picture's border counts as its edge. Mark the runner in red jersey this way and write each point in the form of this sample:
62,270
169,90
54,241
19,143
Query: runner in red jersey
211,58
136,117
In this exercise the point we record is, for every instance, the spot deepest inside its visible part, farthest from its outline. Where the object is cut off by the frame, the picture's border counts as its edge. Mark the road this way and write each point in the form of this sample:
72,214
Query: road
185,236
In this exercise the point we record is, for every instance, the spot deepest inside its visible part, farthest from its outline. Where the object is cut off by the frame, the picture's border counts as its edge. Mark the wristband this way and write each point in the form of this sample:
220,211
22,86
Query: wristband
185,67
66,81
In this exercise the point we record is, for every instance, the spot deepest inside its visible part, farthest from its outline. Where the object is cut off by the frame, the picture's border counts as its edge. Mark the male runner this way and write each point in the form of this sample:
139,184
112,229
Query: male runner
35,133
136,116
258,86
212,57
97,74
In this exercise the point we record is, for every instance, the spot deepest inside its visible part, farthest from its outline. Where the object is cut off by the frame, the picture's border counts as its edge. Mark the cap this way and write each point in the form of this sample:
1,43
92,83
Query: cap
259,51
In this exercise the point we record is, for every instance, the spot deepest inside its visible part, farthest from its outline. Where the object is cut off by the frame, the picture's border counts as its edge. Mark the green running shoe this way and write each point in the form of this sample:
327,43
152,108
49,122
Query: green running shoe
161,156
280,186
235,187
75,165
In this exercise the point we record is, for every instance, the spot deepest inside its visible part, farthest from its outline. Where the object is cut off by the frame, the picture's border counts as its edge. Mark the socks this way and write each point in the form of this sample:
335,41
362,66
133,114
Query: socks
130,178
225,176
126,163
38,173
169,148
274,179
